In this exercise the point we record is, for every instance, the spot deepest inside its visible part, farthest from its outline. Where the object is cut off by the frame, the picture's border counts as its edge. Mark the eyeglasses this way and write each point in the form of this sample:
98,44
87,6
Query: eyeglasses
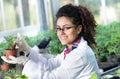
64,29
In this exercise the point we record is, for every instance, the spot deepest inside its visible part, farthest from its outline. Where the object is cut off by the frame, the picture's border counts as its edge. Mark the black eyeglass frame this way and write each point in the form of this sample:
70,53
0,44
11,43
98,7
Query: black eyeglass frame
64,29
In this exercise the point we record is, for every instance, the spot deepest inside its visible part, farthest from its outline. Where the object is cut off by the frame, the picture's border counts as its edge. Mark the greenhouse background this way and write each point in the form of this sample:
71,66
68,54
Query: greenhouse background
39,15
35,19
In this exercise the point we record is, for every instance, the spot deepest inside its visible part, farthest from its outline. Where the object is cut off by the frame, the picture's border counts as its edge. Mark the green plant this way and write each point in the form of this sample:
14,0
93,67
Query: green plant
3,62
9,42
12,74
7,77
22,77
93,76
107,38
2,48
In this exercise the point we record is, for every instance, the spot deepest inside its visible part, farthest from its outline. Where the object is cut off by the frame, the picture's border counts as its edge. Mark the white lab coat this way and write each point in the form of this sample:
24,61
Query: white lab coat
80,63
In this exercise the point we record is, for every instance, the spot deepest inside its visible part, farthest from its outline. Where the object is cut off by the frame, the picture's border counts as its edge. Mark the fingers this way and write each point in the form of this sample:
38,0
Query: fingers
21,44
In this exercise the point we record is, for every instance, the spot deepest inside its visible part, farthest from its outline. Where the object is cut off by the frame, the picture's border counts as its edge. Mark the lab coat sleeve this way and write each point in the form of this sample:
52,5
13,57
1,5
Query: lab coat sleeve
51,62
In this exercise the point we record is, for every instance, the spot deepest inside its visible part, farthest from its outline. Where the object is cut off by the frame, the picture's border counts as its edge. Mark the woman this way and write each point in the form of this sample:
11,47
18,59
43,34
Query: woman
75,28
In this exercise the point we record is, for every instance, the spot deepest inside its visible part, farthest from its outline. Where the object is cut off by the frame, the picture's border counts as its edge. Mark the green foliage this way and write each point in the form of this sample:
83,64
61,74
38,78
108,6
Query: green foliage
12,74
2,47
9,42
55,46
93,76
7,77
118,71
108,38
31,40
22,77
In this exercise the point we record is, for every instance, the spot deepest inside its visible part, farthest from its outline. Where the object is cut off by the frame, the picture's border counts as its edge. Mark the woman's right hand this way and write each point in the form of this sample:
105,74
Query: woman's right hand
22,44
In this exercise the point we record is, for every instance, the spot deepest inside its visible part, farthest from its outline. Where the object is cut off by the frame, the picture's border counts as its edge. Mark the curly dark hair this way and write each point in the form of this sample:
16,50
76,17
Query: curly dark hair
80,15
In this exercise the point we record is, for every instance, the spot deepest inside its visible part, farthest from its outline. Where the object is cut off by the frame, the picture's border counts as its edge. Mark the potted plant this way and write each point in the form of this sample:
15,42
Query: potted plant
10,47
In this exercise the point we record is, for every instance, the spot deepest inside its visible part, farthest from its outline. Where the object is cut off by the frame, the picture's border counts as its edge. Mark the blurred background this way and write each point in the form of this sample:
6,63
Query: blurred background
31,16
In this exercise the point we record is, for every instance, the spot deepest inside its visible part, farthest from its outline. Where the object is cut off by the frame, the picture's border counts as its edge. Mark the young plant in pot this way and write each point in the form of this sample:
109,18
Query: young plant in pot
10,47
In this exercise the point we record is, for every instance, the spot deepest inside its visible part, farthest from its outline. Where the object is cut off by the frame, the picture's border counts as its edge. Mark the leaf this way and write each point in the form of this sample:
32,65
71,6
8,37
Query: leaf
7,77
93,76
118,71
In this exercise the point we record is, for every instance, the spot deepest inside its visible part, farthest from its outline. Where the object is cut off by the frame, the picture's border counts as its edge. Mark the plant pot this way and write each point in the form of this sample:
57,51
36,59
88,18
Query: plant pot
10,52
5,67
